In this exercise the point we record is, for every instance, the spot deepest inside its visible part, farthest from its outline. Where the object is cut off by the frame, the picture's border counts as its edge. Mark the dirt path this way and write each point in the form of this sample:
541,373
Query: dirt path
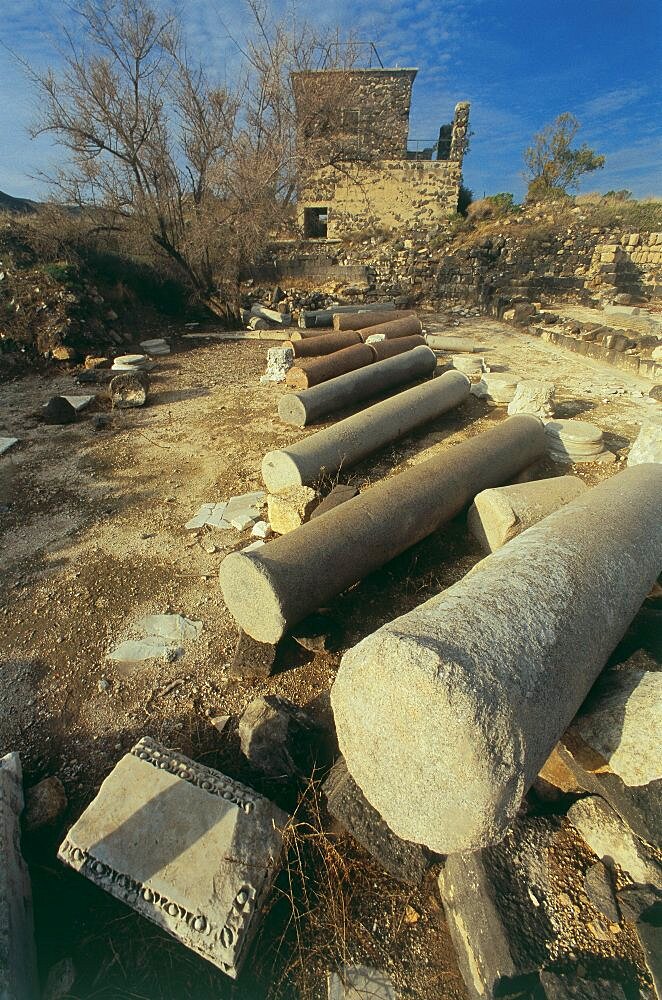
93,540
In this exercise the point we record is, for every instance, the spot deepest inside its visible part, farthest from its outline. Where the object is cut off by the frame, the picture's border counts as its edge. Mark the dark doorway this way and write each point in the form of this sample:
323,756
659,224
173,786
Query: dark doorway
314,222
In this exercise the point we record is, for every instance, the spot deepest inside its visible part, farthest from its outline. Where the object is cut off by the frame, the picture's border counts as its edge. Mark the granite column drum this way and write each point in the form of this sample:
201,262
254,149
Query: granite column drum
358,321
355,437
389,348
314,347
394,328
303,408
313,371
446,715
269,590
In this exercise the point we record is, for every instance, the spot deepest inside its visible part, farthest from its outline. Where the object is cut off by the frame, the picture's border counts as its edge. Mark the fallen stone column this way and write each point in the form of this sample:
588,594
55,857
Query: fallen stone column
499,515
348,441
324,317
394,328
312,371
446,715
358,321
389,348
306,407
453,345
270,590
314,347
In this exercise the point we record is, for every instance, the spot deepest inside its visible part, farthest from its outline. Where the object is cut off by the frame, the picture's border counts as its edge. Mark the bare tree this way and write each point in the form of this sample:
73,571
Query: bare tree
198,173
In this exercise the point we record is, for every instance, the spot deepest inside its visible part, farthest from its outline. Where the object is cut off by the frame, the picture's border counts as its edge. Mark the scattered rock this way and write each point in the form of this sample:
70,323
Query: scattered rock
278,738
402,859
197,851
6,443
600,890
339,494
220,722
648,445
94,363
243,509
129,390
533,397
290,508
59,410
60,980
261,529
609,837
64,353
318,633
162,638
252,658
358,982
45,803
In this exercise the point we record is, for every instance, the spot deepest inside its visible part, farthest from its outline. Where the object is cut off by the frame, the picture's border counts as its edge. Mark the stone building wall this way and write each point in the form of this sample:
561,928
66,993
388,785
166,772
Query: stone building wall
387,195
365,110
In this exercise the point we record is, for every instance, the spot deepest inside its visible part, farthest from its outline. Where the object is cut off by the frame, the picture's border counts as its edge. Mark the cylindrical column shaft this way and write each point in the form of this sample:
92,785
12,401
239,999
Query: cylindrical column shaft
349,440
312,371
358,321
269,590
389,348
394,328
453,345
303,408
315,347
446,715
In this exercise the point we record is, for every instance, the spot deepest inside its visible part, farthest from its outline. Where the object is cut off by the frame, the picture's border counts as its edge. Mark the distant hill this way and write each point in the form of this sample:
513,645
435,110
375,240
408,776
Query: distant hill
23,206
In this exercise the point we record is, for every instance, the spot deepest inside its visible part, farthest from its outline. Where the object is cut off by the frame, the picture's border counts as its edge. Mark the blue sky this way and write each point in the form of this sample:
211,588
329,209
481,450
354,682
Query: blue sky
519,63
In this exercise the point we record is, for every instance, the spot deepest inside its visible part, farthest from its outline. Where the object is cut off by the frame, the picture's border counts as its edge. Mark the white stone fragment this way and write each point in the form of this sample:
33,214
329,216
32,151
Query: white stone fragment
6,443
242,521
162,636
648,445
241,510
253,546
358,982
79,402
279,362
186,846
262,529
624,725
533,397
610,838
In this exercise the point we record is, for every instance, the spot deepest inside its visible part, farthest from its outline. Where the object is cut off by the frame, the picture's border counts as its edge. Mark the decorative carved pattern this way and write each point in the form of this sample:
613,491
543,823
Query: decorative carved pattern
196,774
143,897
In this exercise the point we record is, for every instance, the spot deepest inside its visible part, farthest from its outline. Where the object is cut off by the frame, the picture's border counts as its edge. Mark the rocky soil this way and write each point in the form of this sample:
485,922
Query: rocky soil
93,540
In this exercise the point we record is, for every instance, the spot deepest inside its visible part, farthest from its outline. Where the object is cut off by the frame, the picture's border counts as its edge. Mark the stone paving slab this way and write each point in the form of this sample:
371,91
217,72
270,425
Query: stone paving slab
186,846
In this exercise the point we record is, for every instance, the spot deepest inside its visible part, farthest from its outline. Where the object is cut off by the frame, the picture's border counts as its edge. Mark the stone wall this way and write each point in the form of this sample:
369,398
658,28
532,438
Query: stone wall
386,195
367,110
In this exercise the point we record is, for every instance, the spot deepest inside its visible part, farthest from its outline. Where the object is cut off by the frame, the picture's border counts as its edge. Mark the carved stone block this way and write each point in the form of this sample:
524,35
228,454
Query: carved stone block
187,847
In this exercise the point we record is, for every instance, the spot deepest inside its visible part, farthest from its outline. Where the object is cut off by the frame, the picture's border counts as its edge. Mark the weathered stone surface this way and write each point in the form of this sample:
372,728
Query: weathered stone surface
623,721
279,362
358,982
290,508
533,397
470,364
306,407
186,846
609,837
315,347
252,658
574,441
129,390
453,345
333,552
498,515
313,371
361,320
346,802
382,349
446,715
557,986
278,738
639,806
356,437
517,910
600,890
59,410
556,779
406,326
498,388
18,964
44,803
339,494
648,445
